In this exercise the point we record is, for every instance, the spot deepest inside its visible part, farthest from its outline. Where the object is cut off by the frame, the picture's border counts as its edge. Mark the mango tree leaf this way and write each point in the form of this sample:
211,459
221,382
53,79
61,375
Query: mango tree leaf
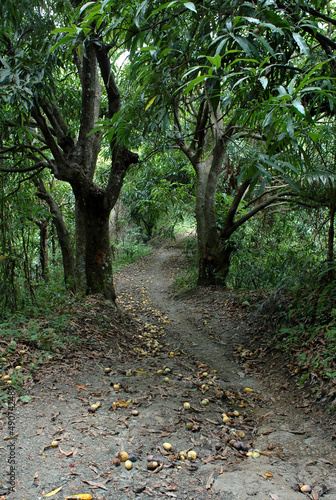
264,81
215,61
273,28
66,29
290,127
268,120
150,102
85,6
162,7
241,80
265,44
252,20
282,91
276,19
291,85
222,43
194,82
297,105
245,45
190,6
301,43
148,49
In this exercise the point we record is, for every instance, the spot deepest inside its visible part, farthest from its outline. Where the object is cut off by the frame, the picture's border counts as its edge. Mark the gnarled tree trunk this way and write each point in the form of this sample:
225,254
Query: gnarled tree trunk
75,163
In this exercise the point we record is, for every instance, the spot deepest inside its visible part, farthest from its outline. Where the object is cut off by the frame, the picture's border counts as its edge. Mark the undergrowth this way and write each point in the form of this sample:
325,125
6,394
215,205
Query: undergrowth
128,250
300,320
29,341
187,278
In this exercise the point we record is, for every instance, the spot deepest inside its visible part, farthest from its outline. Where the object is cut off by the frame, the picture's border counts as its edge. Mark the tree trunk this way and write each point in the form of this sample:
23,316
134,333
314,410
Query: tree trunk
62,233
98,257
80,230
75,162
331,236
209,248
204,218
44,254
94,208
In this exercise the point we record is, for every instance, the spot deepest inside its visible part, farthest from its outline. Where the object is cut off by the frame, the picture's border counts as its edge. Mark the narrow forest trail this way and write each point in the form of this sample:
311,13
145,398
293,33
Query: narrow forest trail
198,325
164,351
294,448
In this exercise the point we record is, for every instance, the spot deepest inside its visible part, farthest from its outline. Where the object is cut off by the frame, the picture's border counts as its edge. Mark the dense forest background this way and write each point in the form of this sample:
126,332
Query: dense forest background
122,122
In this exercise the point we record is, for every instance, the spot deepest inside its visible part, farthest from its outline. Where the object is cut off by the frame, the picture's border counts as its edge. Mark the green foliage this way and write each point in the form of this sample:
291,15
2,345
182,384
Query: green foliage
286,256
22,285
159,194
312,345
129,249
276,248
187,279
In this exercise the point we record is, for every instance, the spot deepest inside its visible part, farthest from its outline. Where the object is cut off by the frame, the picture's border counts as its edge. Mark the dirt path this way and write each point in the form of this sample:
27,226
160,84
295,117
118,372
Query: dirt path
182,352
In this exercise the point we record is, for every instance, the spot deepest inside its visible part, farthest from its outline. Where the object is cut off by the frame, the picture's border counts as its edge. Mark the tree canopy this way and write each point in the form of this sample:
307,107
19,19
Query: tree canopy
244,90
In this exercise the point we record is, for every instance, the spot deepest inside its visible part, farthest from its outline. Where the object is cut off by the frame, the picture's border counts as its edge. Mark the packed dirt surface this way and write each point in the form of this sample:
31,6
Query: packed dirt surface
167,382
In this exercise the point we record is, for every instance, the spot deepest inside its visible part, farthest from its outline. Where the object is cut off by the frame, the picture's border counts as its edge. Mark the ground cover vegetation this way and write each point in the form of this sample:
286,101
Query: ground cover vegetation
120,120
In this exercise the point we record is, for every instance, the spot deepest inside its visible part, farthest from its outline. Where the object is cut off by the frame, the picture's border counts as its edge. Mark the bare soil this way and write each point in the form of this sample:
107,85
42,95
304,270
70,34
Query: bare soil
163,350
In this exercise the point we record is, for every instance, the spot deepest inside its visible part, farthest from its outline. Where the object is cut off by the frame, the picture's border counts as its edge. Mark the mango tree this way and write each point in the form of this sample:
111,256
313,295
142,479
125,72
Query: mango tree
221,77
54,132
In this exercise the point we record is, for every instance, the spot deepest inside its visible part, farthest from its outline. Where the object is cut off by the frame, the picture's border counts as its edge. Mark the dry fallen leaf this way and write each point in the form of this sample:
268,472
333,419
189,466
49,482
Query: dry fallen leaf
70,453
120,404
7,438
51,493
95,485
210,458
81,387
274,496
319,490
210,482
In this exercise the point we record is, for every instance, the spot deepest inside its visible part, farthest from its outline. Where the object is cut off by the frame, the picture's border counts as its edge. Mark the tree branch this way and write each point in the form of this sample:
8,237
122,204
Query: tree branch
275,199
38,166
22,181
112,90
234,207
50,141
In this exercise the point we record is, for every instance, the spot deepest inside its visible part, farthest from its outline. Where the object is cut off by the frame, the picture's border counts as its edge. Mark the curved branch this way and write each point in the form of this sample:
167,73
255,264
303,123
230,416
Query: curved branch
38,166
24,180
42,124
228,231
112,90
316,13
